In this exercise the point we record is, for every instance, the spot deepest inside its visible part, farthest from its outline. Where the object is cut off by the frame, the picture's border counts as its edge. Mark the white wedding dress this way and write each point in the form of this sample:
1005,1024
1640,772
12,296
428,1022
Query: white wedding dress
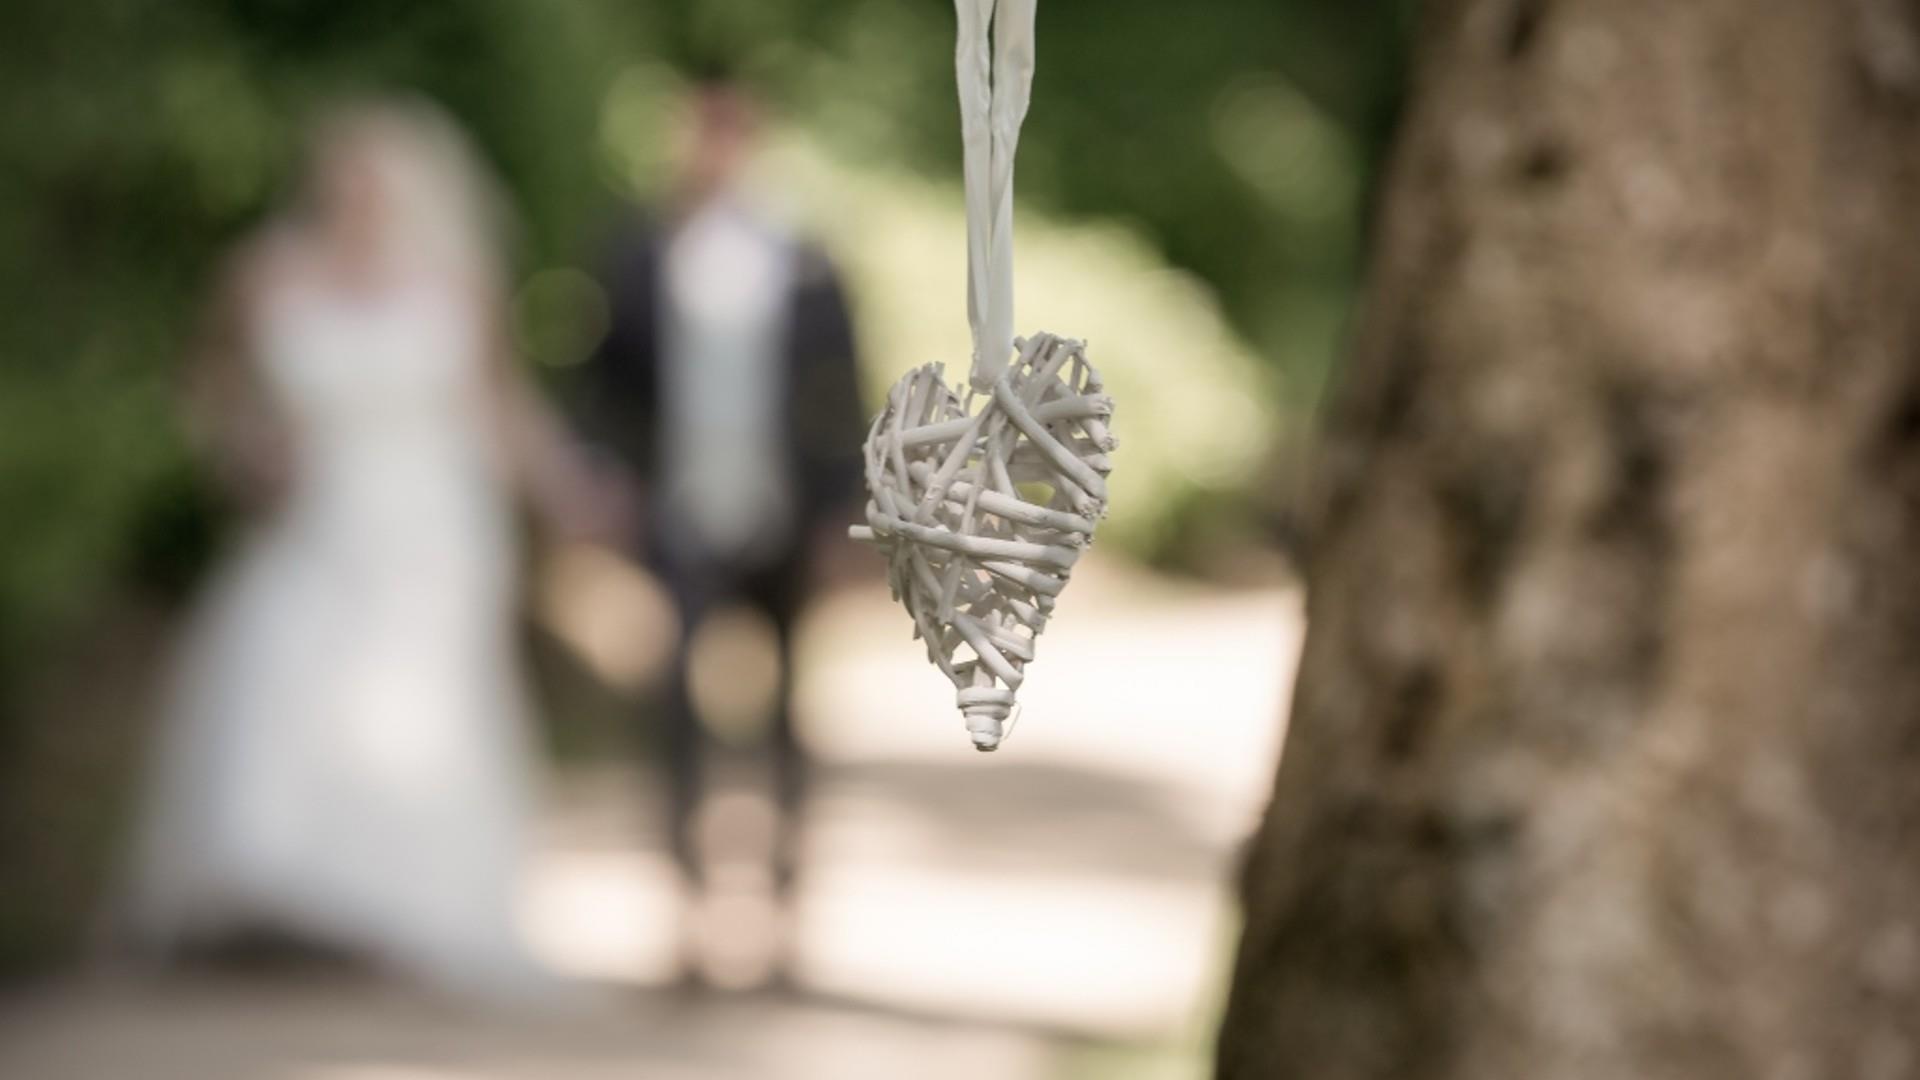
345,756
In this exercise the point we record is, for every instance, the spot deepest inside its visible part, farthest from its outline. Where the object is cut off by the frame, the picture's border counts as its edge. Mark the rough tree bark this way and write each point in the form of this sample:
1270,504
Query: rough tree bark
1605,755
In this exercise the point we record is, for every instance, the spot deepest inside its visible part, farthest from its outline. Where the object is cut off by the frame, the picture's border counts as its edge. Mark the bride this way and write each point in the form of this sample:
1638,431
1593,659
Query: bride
345,759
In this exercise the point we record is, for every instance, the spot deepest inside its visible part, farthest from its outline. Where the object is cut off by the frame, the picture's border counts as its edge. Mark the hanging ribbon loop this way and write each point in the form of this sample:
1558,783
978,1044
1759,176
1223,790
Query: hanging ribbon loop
994,61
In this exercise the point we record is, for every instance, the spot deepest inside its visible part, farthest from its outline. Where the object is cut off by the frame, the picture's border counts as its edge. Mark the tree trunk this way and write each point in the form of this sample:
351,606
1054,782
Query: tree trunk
1605,757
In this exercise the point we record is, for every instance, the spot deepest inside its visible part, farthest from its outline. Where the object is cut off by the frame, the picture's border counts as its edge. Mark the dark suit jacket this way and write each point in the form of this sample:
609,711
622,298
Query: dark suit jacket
824,421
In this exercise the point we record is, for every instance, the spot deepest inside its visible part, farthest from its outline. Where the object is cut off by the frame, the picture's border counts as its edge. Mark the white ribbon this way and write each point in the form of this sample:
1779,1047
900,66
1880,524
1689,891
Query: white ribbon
995,77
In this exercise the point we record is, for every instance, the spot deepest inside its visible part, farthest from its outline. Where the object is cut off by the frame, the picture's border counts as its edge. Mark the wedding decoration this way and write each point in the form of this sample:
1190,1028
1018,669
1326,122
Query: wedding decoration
983,502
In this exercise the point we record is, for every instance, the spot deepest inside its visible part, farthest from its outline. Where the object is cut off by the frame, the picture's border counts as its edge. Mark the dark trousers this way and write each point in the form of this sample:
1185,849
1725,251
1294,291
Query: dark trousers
698,592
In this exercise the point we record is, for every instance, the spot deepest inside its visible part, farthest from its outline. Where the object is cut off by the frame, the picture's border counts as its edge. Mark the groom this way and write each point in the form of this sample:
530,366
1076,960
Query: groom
727,385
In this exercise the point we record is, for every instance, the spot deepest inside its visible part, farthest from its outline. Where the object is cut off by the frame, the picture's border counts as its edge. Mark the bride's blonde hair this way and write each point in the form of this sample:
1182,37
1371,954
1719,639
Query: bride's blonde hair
443,204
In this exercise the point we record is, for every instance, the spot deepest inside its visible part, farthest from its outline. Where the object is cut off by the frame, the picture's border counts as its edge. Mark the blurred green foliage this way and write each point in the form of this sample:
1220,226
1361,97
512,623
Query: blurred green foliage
139,138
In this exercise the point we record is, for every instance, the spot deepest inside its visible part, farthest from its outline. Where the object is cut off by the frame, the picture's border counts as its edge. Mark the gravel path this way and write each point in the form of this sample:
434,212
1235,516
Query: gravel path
1054,910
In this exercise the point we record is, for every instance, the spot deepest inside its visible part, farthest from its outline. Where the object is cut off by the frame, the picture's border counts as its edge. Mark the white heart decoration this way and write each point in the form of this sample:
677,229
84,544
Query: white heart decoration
983,514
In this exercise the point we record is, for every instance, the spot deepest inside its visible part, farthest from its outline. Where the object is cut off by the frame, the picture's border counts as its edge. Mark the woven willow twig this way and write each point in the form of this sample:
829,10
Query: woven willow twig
983,514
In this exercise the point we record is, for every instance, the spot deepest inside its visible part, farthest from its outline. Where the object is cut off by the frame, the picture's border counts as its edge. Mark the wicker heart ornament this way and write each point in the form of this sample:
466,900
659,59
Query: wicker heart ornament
982,513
